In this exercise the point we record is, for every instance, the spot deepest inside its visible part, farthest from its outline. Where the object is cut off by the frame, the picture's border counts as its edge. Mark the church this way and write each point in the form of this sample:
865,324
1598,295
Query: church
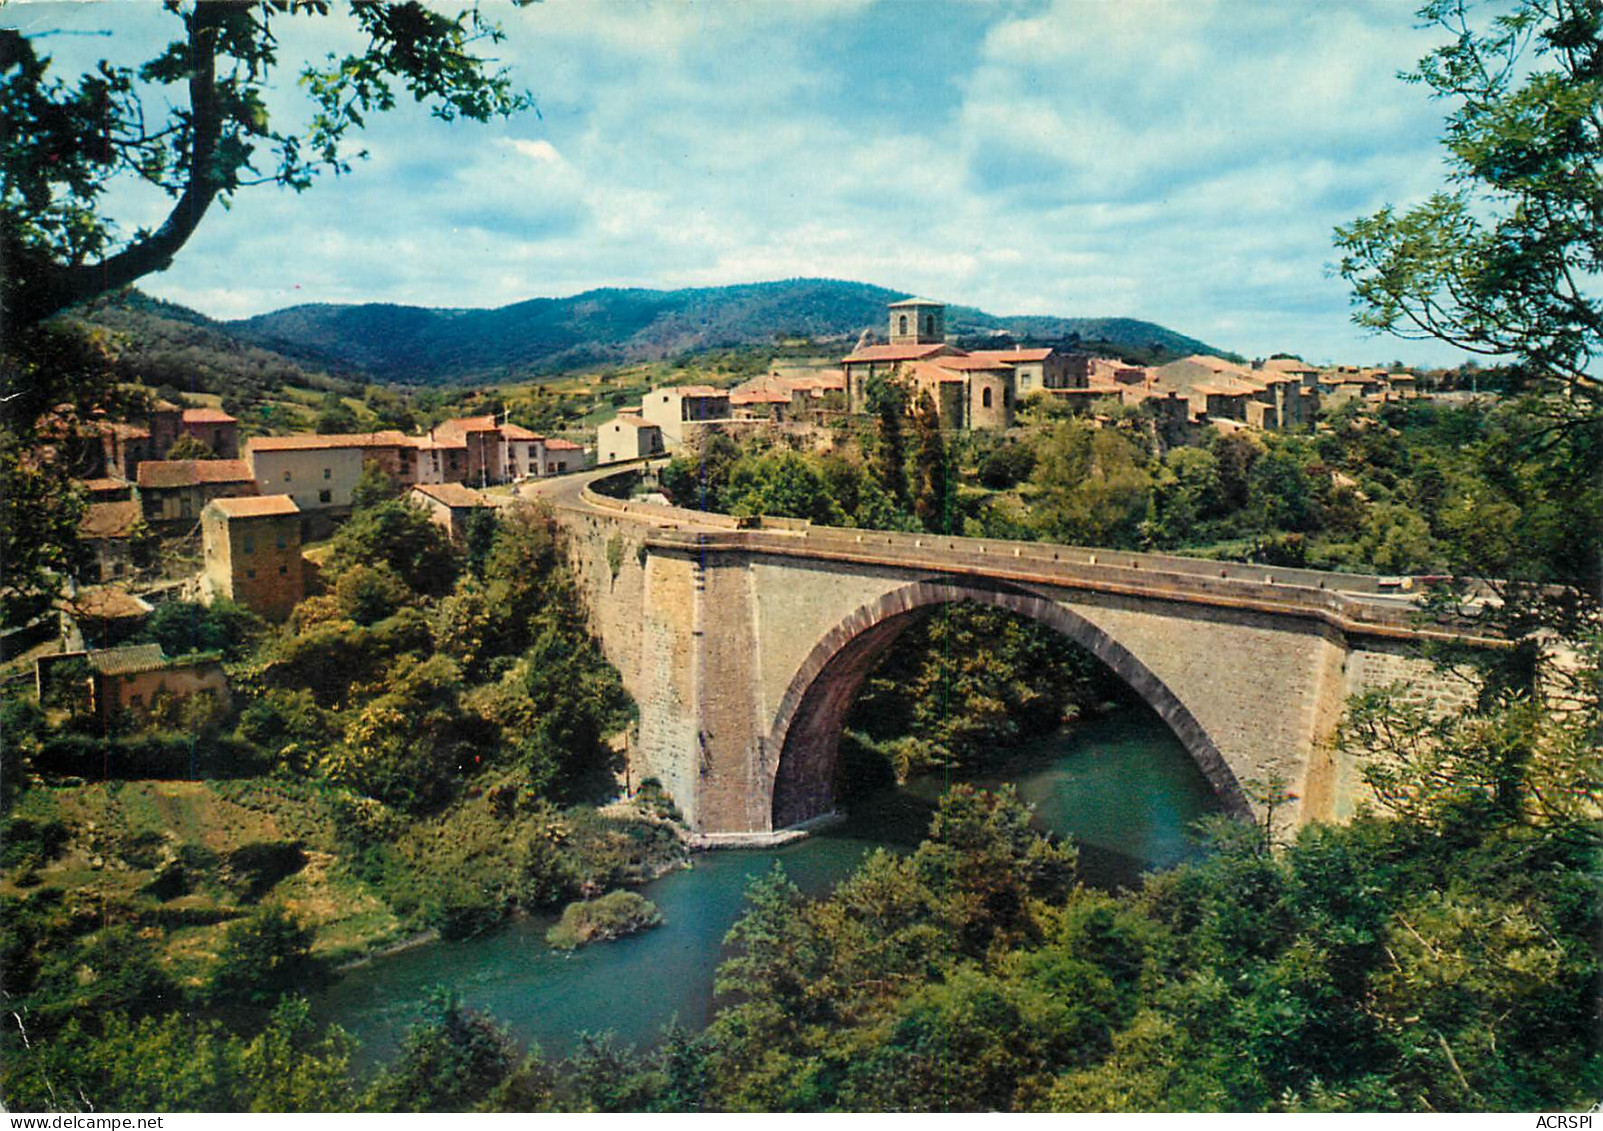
970,389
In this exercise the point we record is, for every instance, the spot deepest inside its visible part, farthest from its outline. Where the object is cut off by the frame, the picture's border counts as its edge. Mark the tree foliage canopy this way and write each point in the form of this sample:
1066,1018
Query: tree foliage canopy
1507,260
65,142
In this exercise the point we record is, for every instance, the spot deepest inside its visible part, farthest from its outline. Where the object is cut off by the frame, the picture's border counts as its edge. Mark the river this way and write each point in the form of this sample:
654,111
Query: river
1121,785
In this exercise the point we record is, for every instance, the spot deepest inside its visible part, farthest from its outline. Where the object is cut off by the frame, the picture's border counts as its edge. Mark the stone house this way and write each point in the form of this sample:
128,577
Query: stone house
214,428
449,505
318,472
133,677
563,456
104,615
627,436
127,444
672,407
109,530
177,490
252,553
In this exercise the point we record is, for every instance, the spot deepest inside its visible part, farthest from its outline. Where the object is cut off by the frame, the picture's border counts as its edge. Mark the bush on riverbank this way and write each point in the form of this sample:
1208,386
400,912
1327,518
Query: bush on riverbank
612,916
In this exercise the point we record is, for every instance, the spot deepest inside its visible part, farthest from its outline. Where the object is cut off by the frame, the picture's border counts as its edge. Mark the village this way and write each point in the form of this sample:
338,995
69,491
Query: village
254,502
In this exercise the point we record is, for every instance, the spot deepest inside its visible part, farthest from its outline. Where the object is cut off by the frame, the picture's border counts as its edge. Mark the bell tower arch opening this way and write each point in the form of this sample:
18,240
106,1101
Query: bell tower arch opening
811,717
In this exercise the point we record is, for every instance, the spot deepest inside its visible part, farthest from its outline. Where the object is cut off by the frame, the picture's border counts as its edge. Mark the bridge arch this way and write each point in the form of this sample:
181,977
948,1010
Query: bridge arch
807,725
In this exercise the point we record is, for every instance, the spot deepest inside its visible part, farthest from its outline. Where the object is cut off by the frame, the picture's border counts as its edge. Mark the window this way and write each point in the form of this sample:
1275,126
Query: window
283,570
929,325
283,542
286,477
326,474
250,575
985,398
247,544
325,496
901,324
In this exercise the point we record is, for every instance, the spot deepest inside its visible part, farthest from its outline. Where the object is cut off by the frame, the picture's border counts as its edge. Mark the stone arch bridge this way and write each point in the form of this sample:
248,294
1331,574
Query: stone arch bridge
744,646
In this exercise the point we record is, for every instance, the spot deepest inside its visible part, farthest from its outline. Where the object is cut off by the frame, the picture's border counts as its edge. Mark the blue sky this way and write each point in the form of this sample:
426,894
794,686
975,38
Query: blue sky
1179,162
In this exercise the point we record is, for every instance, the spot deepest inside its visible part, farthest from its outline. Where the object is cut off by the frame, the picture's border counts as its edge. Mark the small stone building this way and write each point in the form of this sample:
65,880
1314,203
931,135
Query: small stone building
178,490
627,436
563,456
131,678
449,505
672,407
108,530
104,615
252,553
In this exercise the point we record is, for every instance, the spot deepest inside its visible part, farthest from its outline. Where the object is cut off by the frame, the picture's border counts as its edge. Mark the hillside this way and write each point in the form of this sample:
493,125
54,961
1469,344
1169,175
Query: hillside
438,346
177,350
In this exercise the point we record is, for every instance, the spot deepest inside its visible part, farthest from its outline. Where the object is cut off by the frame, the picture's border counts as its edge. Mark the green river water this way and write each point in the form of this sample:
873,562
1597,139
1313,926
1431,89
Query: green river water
1121,785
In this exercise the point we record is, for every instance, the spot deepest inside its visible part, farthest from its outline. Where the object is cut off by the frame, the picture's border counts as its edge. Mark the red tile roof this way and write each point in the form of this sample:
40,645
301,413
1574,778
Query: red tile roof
518,432
485,423
108,602
893,353
127,660
928,371
563,446
967,362
257,507
94,486
452,494
207,416
156,474
109,520
758,396
307,442
1015,356
699,391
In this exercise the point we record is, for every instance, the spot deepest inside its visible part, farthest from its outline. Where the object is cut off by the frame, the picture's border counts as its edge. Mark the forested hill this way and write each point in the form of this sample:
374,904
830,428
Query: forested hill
437,346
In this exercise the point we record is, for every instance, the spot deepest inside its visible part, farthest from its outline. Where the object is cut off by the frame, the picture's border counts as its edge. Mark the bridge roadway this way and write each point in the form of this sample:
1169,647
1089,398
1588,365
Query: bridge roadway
744,643
1363,604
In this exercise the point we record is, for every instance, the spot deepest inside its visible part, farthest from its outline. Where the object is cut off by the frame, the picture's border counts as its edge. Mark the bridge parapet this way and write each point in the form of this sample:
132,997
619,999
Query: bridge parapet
719,625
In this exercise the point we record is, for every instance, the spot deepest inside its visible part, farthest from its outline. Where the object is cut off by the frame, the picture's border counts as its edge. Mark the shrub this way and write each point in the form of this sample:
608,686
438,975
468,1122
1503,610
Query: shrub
612,916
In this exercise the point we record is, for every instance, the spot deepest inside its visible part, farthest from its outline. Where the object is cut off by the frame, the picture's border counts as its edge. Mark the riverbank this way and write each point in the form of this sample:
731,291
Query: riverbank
1121,786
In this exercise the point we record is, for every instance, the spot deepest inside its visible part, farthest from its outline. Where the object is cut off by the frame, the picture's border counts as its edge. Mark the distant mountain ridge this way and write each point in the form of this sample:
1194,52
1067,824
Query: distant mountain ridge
423,345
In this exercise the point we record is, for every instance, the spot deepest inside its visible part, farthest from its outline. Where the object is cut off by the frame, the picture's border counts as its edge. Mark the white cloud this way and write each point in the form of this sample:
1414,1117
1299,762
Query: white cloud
1182,162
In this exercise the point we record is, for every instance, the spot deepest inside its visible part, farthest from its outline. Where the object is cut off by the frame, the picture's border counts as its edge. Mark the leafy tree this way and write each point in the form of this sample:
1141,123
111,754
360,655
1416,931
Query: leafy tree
935,491
783,484
1279,494
367,594
1502,263
181,627
401,537
334,416
697,476
67,142
54,381
289,1066
887,401
963,686
263,958
408,746
188,447
1006,465
453,1060
1094,487
373,487
478,539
